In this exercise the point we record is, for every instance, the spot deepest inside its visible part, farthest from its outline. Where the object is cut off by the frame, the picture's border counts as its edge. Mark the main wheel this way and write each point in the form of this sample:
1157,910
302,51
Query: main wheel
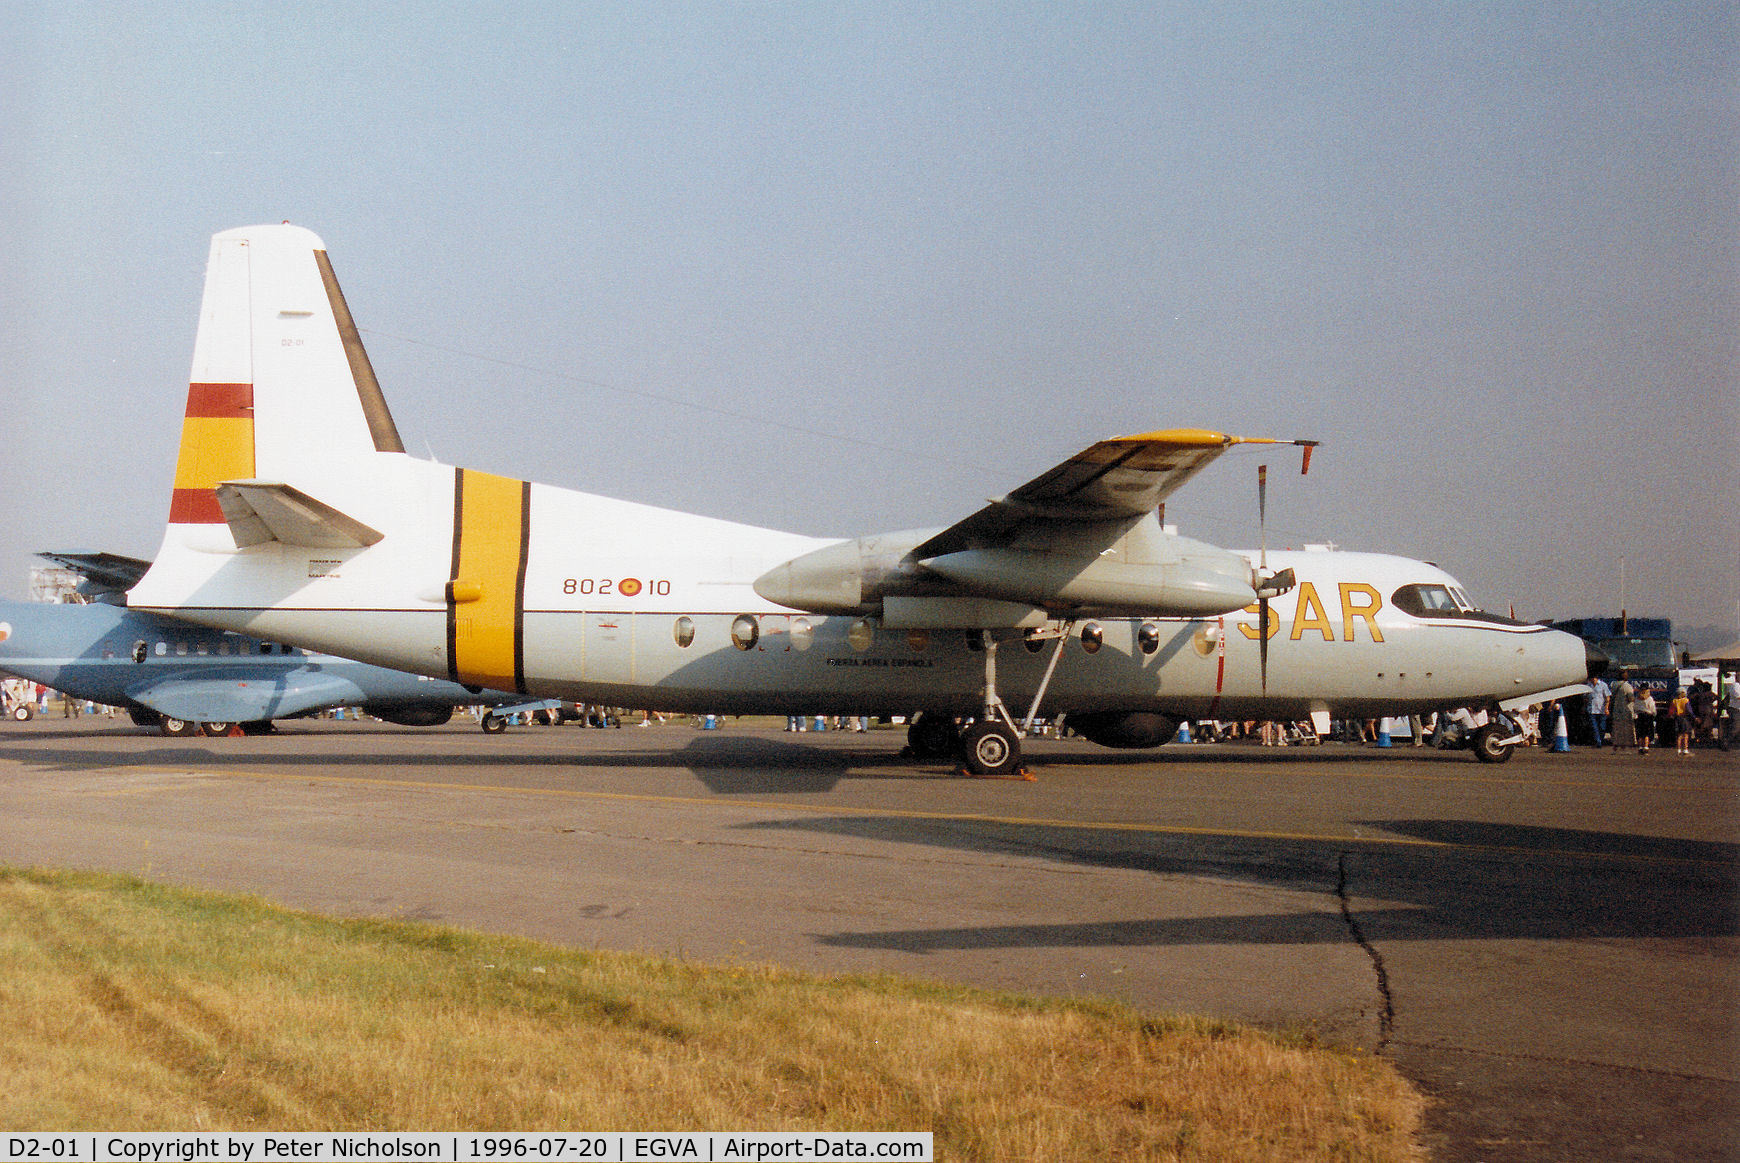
990,749
1487,746
178,728
933,736
493,724
24,712
216,730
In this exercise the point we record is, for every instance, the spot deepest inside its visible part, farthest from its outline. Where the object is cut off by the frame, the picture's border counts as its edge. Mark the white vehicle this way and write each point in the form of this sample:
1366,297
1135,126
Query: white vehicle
298,517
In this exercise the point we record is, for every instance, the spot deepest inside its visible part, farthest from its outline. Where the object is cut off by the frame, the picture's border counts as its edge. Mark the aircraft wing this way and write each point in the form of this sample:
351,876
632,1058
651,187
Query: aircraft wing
1120,479
1082,538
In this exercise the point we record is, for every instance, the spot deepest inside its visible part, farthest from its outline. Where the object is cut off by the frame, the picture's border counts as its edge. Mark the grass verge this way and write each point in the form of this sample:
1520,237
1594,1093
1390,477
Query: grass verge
133,1006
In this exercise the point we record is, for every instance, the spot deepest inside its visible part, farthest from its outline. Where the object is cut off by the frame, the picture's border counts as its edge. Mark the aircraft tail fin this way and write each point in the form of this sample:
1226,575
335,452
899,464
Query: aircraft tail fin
281,387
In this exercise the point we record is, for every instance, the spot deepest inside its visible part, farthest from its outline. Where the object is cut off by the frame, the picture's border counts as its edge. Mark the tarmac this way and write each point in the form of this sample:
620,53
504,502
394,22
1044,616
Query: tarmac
1546,947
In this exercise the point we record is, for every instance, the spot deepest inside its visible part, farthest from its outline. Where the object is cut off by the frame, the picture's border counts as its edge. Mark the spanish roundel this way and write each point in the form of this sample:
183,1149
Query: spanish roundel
628,587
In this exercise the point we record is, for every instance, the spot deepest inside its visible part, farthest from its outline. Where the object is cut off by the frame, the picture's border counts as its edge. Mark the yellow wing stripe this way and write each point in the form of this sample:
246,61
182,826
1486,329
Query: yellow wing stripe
486,593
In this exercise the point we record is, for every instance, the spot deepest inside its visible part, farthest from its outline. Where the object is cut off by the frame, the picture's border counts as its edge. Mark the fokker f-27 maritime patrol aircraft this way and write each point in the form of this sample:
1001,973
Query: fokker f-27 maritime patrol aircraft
297,516
189,680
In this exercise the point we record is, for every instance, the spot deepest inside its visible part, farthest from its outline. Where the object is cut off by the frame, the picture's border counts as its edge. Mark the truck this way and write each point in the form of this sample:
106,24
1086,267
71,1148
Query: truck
1642,651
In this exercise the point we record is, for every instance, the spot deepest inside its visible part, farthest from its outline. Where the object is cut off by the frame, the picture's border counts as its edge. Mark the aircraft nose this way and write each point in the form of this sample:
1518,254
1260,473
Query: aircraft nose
1596,660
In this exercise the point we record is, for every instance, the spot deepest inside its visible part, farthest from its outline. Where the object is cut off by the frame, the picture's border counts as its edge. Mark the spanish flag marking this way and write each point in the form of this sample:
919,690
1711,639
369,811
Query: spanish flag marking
486,590
217,445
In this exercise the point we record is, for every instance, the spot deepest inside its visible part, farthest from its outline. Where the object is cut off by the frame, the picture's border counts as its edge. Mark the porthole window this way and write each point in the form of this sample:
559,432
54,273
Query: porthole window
180,648
745,632
223,647
1092,637
162,649
202,648
803,635
683,630
141,651
1148,637
917,640
862,635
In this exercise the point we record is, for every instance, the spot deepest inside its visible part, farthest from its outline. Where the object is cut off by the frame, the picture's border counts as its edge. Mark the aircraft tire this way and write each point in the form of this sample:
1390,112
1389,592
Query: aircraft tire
23,713
1487,747
178,728
990,749
216,730
933,736
493,724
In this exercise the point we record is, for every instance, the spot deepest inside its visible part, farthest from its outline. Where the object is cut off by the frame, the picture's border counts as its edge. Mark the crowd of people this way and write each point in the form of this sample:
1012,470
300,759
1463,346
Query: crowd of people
1627,715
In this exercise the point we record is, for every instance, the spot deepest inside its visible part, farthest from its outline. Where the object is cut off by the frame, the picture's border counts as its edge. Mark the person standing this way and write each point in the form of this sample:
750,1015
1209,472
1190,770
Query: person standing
1645,716
1624,706
1680,709
1599,694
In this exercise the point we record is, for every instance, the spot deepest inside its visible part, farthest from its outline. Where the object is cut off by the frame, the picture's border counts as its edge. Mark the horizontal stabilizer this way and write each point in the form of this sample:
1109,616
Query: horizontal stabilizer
262,511
102,571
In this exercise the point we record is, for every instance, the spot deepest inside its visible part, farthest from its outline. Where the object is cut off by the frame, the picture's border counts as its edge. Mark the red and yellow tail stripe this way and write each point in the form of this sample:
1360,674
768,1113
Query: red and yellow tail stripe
217,445
486,594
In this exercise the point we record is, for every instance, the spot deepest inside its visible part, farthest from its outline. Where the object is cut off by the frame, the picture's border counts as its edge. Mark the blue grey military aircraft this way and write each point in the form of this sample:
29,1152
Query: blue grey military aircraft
188,680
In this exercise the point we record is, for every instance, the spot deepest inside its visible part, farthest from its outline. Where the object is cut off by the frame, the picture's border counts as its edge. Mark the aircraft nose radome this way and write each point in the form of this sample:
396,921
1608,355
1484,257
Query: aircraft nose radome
1597,661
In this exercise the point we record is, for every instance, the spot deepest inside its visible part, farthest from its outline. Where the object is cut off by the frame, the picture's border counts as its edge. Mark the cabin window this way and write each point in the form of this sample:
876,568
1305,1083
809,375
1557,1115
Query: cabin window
1092,637
683,631
862,635
180,649
803,635
745,632
1148,638
202,648
141,651
162,649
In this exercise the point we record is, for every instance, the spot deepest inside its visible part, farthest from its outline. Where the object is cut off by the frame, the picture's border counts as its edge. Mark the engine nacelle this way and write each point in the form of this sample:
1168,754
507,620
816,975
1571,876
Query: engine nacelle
1128,730
412,716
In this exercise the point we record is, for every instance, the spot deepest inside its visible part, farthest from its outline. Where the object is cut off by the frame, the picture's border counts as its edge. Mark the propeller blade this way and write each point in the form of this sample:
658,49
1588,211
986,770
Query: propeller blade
1263,640
1263,513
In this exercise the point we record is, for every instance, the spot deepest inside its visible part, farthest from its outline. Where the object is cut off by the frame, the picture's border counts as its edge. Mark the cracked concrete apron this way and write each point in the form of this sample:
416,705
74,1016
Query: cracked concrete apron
1549,948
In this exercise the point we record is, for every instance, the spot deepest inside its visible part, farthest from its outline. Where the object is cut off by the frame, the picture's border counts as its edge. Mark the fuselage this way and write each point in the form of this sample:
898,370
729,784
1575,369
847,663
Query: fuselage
554,593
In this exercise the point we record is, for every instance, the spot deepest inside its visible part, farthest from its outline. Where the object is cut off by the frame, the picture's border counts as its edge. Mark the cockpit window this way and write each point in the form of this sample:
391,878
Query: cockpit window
1428,601
1439,601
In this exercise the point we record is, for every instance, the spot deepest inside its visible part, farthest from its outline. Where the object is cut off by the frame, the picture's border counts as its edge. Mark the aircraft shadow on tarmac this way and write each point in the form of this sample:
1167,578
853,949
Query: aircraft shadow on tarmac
1487,881
725,764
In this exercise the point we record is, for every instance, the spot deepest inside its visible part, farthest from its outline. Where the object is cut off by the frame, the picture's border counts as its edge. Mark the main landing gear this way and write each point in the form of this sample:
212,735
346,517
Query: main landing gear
989,747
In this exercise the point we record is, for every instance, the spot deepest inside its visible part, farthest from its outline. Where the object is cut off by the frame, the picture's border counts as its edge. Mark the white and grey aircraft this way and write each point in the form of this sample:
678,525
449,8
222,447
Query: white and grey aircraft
298,517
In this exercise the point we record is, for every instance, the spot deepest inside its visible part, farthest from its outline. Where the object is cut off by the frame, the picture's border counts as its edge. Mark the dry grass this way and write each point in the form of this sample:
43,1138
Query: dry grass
130,1006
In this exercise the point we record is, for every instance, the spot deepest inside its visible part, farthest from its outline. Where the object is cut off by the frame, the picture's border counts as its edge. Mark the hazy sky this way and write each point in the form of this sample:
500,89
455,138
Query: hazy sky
851,268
